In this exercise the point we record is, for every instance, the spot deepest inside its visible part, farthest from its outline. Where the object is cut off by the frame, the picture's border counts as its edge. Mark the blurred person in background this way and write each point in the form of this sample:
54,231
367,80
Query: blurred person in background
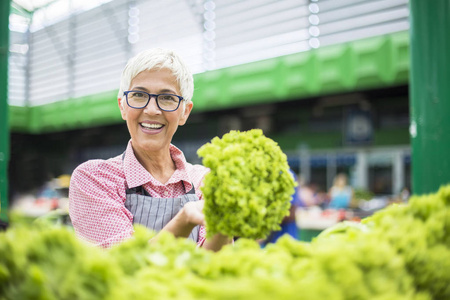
308,194
151,183
340,194
405,194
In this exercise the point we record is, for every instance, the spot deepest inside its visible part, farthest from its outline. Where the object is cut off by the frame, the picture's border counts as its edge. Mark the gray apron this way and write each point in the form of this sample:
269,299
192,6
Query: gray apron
155,213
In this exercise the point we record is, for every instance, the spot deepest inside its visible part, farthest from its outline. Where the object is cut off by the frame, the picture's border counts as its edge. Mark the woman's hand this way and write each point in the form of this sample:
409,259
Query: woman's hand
193,212
186,219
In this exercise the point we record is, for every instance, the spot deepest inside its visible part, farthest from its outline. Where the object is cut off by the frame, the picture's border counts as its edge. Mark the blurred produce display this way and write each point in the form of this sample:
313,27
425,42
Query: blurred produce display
316,218
52,197
362,194
401,252
249,188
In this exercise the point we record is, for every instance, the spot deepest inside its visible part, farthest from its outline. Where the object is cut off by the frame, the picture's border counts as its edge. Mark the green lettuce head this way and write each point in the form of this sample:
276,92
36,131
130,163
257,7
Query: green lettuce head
248,190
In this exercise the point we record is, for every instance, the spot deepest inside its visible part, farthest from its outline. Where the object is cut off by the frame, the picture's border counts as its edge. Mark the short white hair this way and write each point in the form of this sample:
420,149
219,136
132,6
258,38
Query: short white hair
156,59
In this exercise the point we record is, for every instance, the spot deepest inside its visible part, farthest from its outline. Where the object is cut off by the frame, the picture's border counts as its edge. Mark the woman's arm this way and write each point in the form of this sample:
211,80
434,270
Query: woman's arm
184,222
217,242
186,219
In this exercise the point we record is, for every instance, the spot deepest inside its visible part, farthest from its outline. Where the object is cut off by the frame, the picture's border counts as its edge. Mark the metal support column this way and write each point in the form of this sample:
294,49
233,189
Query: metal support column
331,169
4,109
430,94
398,172
361,170
305,165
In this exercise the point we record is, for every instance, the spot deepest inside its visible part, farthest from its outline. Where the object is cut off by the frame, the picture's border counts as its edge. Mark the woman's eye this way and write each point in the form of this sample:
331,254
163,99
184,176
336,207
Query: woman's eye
167,98
137,94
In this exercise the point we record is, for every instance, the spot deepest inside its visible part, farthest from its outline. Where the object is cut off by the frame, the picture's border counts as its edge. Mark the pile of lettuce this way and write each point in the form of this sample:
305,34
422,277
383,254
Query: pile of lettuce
401,252
249,187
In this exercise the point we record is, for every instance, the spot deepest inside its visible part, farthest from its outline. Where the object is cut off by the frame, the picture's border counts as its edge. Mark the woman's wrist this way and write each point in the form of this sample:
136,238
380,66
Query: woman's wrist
184,220
181,224
216,242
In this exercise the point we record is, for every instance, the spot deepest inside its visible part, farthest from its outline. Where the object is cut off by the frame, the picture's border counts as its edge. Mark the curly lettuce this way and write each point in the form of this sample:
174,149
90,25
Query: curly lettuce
249,187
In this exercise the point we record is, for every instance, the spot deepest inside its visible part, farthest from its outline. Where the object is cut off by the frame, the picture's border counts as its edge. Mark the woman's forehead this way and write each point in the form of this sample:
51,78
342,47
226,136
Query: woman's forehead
155,77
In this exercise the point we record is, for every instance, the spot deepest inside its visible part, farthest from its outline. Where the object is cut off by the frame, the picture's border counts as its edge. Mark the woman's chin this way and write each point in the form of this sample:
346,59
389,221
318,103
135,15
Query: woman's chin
149,146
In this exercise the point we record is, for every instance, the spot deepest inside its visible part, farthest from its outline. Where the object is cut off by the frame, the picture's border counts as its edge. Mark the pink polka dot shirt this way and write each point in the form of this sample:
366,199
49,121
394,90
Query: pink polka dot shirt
97,194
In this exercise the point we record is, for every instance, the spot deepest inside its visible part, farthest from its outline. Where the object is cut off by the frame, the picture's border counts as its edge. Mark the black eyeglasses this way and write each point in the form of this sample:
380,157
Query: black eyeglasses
165,102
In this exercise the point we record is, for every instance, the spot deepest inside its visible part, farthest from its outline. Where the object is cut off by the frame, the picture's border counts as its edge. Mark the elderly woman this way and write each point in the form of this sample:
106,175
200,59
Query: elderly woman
150,183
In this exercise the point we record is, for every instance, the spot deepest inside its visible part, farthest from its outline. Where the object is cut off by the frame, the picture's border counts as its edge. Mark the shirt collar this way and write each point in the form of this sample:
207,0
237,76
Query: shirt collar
136,175
181,167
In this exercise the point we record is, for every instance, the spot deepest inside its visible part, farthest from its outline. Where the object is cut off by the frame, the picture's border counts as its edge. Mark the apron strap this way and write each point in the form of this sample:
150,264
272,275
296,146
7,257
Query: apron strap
137,190
192,190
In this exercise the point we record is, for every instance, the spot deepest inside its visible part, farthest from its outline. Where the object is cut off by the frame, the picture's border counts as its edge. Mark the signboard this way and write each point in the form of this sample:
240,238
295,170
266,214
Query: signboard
358,128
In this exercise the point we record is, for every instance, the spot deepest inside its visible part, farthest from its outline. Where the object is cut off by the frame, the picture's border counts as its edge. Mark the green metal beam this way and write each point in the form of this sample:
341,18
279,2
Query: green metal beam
19,10
430,94
4,111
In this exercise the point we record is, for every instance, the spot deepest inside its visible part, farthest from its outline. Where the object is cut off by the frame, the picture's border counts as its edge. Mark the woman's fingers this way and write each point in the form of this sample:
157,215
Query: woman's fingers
194,212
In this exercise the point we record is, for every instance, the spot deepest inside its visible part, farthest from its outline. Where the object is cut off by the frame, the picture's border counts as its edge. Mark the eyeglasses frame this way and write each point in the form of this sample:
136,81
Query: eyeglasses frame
150,96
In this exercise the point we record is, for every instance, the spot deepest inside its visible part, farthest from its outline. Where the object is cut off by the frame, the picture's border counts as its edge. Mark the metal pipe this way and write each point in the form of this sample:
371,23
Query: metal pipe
4,108
430,94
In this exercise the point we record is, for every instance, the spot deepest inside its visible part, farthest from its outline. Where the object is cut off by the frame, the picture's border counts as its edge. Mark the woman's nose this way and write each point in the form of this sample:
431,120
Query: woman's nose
152,107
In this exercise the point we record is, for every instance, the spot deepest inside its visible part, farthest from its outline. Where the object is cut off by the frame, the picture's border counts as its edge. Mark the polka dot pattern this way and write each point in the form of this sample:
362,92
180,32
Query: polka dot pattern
97,194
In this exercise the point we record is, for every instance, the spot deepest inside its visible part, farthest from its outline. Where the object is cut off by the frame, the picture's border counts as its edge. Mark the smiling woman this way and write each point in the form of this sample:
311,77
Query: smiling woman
151,183
152,128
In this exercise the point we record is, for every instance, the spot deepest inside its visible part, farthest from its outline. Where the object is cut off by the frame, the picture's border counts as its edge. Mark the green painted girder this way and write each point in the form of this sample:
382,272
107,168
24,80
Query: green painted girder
4,112
19,10
430,95
370,63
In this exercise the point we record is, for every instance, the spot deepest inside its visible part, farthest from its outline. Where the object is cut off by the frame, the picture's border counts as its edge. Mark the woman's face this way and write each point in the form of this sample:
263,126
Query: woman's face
152,129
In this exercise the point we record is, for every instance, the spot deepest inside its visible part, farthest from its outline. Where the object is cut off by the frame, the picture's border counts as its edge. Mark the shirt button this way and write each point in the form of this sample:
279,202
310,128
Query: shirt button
166,193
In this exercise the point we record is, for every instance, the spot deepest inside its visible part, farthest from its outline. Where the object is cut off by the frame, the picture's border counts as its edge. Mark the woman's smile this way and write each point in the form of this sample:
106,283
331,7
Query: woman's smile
152,127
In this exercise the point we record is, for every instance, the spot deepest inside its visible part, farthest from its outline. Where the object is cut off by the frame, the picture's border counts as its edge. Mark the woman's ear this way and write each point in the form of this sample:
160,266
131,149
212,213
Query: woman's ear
186,113
122,110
